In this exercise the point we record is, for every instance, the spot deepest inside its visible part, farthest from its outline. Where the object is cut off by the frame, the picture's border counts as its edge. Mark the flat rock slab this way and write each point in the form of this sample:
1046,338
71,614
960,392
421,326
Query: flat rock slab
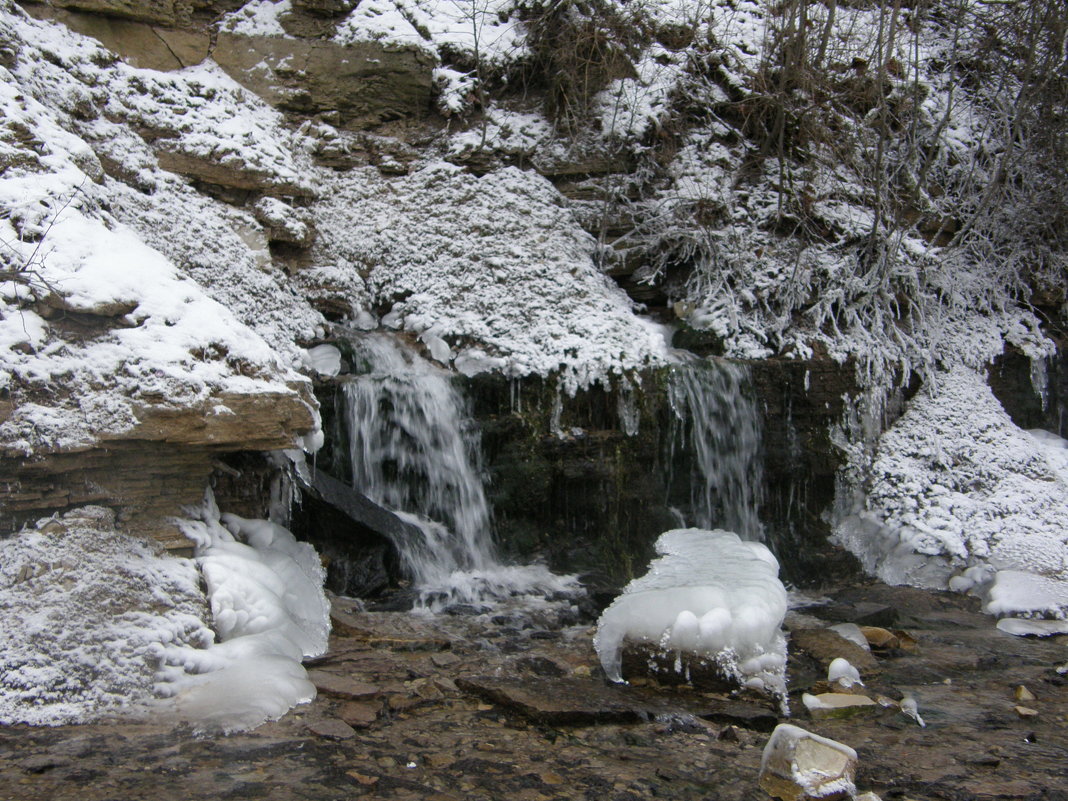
360,714
342,686
579,702
331,728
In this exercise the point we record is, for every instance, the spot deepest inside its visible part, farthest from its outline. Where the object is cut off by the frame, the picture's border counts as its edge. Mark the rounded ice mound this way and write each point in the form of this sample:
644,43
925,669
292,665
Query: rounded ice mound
709,594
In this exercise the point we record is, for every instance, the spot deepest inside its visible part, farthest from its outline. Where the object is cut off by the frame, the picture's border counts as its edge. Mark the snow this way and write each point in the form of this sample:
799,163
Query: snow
99,624
709,594
81,608
493,266
959,495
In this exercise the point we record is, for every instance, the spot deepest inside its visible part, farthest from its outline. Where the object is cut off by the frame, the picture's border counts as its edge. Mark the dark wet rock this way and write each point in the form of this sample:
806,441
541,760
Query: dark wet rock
556,702
541,666
824,646
342,686
331,728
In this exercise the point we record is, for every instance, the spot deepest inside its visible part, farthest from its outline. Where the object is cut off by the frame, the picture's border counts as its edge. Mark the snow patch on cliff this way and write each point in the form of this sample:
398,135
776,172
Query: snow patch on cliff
495,264
957,492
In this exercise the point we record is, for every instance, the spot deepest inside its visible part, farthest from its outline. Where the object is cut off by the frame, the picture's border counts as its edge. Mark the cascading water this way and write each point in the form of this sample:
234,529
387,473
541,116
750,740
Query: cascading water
414,450
716,420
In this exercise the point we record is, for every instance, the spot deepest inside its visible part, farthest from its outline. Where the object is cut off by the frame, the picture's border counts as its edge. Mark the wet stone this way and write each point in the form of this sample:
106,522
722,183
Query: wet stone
342,686
331,728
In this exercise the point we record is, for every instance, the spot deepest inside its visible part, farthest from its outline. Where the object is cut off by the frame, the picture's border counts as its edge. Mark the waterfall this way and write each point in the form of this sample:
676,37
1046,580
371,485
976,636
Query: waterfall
414,450
716,420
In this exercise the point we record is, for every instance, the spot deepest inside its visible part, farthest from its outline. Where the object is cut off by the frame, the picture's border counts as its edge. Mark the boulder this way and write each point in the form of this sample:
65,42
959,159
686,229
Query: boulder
798,765
364,82
325,8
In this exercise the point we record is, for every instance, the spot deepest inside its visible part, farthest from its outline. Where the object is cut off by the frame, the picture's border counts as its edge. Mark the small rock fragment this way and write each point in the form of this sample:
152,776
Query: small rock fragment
837,705
878,637
1026,711
798,765
331,728
1023,694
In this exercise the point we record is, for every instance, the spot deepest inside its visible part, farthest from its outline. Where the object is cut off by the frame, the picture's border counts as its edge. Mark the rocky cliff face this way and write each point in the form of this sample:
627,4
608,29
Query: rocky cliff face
193,193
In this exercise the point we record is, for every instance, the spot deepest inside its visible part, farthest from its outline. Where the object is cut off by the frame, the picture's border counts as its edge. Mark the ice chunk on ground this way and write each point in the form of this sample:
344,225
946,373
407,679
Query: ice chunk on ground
840,671
709,594
798,764
851,632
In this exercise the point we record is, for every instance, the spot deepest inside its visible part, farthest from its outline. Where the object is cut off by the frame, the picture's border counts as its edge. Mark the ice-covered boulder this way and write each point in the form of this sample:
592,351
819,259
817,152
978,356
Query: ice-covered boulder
709,598
798,764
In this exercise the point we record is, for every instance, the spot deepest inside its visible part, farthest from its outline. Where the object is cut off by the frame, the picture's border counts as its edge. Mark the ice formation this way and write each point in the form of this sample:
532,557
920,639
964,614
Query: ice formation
709,594
266,595
840,671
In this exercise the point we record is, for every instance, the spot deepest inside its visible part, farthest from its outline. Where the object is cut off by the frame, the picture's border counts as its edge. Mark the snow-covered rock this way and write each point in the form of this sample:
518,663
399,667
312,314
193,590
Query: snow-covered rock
798,764
710,596
959,495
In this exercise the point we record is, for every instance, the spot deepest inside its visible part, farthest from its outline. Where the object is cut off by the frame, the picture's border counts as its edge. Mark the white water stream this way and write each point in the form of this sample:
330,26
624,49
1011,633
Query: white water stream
717,420
414,450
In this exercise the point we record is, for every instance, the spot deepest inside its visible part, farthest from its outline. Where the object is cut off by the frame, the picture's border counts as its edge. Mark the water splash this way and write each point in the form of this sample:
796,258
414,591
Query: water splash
414,450
717,421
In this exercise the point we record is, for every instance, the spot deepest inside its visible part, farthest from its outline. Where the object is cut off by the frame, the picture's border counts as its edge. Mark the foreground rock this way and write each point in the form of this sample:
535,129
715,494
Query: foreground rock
798,764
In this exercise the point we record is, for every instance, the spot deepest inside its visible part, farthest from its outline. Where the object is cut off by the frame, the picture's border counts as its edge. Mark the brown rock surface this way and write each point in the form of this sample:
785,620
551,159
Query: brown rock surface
365,82
139,43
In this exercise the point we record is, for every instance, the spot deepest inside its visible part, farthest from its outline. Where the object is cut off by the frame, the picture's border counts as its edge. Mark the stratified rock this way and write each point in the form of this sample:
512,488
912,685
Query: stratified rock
798,764
283,222
140,44
325,8
365,82
164,12
231,173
